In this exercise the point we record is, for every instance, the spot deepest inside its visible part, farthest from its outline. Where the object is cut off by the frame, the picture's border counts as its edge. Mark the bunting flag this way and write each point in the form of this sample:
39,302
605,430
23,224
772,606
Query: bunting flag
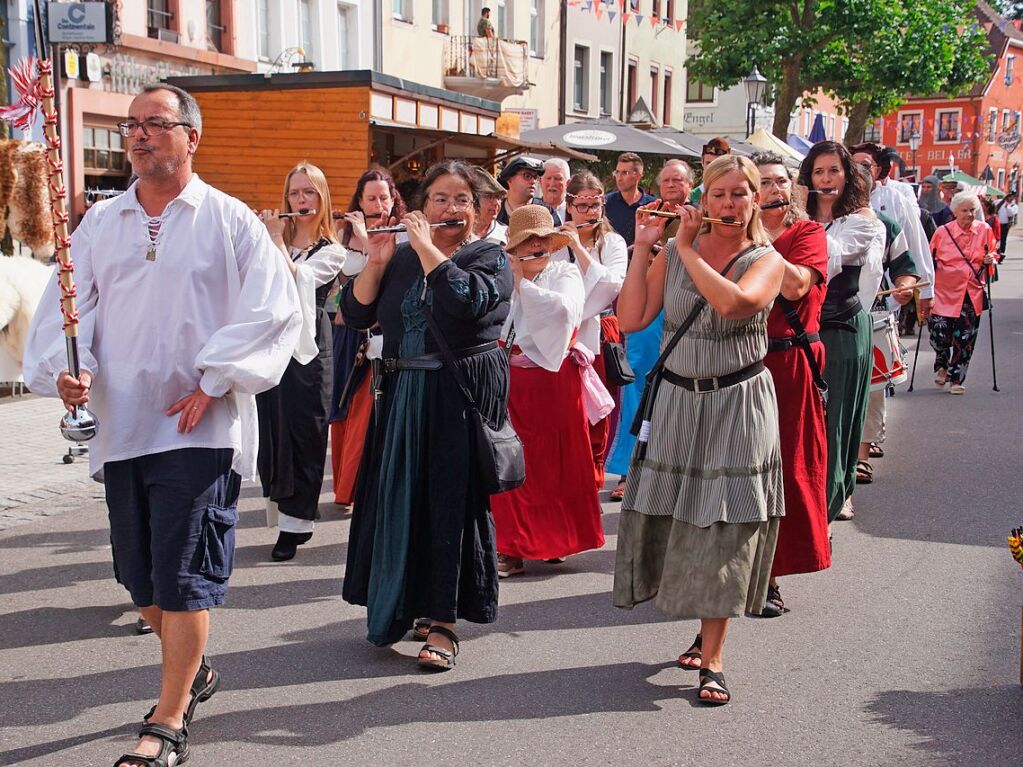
654,20
679,23
639,19
611,15
625,18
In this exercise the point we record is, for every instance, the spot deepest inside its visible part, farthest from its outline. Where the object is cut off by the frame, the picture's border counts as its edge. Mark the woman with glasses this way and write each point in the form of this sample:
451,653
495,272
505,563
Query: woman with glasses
293,415
375,203
803,531
422,537
602,257
553,388
839,199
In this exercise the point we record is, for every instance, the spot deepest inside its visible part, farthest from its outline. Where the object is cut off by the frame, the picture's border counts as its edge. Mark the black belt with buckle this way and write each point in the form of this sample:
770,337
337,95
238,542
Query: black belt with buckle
434,361
790,342
703,385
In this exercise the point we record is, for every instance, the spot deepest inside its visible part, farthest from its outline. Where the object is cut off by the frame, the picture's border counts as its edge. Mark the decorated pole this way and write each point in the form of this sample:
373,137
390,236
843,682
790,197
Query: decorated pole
36,91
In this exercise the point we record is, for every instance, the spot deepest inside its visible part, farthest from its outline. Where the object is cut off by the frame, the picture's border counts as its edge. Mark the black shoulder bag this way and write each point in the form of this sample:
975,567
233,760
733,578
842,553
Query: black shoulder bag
792,317
500,461
640,428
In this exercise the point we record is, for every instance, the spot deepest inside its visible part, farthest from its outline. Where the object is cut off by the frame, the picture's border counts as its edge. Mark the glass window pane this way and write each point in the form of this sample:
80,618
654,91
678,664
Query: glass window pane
87,137
102,158
115,140
102,138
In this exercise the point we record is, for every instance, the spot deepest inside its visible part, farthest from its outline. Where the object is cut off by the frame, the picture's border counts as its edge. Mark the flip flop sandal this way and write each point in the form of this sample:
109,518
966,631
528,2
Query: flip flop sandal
421,629
864,473
713,681
447,657
173,747
691,655
876,451
618,494
201,691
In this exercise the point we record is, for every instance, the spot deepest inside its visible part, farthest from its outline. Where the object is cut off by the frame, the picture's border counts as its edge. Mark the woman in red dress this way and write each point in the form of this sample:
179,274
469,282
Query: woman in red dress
803,545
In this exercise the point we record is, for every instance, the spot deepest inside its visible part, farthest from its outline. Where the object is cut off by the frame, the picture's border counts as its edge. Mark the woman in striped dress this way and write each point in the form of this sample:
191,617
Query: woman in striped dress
700,514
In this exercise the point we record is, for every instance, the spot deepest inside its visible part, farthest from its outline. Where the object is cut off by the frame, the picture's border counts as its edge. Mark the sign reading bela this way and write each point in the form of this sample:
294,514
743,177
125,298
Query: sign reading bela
77,22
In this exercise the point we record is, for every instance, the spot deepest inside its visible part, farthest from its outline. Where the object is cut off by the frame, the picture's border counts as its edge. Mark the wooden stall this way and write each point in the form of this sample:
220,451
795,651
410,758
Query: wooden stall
257,127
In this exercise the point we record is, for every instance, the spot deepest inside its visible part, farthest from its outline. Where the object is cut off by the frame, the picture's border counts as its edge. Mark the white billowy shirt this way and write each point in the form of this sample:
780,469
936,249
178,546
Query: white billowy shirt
546,313
310,273
217,308
906,212
858,240
602,283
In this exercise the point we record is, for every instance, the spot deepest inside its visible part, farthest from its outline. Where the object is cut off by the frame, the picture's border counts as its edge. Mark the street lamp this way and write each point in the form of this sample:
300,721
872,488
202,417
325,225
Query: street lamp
756,86
914,144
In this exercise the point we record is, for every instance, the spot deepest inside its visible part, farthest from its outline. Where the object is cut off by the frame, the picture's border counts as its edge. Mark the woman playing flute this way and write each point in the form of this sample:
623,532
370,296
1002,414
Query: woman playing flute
293,415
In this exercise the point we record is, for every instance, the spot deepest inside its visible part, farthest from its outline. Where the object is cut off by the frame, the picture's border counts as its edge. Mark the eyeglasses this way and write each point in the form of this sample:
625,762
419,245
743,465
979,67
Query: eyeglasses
587,207
455,203
867,165
150,128
779,182
715,152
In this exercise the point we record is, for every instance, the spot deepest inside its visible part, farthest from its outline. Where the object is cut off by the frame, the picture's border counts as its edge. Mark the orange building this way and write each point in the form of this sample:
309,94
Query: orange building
978,132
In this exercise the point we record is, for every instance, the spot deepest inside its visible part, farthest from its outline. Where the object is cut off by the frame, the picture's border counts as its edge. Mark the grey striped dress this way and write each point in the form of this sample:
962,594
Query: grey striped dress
700,515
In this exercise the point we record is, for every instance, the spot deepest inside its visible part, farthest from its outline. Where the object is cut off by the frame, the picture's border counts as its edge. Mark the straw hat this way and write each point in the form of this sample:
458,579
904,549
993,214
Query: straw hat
533,221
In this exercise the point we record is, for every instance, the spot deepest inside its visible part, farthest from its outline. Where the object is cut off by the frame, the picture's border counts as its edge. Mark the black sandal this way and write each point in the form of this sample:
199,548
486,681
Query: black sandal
690,655
447,660
713,681
173,746
201,691
421,629
875,450
864,472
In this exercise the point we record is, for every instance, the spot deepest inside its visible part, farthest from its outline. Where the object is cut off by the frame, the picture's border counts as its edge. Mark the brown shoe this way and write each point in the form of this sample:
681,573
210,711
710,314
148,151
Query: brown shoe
509,566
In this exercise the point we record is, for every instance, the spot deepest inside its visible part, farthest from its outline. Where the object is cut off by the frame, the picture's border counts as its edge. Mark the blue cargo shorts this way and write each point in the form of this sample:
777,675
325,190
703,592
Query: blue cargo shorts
172,526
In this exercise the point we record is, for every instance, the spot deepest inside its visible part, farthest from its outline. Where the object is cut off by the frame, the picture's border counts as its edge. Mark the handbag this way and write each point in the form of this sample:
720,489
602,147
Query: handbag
617,369
500,460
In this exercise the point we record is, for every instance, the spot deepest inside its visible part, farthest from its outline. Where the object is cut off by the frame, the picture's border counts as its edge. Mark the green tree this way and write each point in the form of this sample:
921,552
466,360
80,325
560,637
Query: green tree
871,52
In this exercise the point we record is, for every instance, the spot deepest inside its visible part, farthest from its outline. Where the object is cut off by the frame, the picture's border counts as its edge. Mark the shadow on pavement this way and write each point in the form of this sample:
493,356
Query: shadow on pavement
966,726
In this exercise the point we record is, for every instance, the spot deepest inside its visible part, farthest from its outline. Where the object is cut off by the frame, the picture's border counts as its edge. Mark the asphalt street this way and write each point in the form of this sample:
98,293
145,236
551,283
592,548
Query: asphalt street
907,651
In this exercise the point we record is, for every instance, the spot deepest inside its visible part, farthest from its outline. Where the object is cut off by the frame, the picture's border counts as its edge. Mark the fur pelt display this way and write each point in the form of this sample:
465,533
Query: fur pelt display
22,282
25,195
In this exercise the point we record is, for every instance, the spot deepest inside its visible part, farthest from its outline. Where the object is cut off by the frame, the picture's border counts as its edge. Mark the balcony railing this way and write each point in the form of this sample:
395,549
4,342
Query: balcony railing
486,67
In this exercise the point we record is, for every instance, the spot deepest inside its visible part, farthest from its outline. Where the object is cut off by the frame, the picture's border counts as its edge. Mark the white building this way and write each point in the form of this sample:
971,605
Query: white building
334,34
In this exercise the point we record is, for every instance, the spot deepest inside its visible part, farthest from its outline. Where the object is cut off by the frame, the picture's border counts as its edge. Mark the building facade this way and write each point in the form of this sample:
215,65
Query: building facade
326,35
978,133
620,55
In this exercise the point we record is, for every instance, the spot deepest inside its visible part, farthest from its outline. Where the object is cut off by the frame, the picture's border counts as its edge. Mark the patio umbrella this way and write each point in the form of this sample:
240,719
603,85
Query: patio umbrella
799,143
608,135
817,133
771,143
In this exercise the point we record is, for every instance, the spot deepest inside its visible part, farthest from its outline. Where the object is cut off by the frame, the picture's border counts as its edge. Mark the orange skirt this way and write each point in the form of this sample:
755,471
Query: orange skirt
347,438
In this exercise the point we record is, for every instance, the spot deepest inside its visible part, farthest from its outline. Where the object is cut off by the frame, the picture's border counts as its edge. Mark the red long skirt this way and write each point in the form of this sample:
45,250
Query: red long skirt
602,432
347,438
803,532
556,512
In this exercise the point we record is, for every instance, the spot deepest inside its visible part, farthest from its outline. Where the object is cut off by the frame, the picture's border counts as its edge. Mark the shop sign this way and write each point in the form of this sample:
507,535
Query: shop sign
1009,140
71,69
93,67
589,138
77,22
128,75
528,119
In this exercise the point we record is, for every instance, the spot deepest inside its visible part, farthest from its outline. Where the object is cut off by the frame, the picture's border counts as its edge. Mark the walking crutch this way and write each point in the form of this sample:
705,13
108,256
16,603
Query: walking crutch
919,337
991,328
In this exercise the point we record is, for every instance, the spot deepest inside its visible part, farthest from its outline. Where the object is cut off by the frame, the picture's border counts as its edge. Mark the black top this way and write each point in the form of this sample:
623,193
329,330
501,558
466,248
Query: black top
622,215
502,214
469,295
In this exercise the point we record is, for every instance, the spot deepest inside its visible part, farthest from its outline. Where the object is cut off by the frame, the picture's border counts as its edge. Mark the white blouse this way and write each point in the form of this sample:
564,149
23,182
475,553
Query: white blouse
217,309
546,313
858,240
602,282
312,272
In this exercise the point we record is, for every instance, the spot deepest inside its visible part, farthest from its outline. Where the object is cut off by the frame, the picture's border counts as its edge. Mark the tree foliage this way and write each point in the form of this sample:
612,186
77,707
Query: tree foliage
871,53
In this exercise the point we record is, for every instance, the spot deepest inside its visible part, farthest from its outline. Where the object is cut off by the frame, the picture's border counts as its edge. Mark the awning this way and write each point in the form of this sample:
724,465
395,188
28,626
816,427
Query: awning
610,136
506,146
800,144
771,143
973,184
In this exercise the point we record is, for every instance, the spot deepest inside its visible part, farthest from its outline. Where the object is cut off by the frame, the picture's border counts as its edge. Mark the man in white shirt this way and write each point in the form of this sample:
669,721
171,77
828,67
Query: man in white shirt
1007,212
187,310
554,185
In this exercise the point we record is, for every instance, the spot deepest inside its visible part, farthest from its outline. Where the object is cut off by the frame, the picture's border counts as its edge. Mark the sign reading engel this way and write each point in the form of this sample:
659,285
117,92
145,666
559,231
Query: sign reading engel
77,22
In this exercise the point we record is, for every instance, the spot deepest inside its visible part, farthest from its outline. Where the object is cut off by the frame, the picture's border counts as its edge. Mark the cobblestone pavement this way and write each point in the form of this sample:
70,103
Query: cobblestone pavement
34,480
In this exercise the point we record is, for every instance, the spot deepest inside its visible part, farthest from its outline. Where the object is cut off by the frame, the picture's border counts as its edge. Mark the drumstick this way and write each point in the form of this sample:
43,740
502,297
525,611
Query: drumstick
402,228
914,286
727,221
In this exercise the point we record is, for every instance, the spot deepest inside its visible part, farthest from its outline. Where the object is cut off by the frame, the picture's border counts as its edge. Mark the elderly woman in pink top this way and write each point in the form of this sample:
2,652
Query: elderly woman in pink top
963,250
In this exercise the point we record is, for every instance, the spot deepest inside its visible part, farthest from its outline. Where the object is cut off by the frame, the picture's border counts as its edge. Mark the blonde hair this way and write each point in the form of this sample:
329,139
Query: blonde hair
720,168
324,218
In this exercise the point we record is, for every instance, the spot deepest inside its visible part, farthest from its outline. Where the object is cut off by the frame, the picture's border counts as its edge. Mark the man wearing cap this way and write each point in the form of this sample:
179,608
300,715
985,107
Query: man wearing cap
713,149
521,178
554,185
491,196
674,185
621,206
